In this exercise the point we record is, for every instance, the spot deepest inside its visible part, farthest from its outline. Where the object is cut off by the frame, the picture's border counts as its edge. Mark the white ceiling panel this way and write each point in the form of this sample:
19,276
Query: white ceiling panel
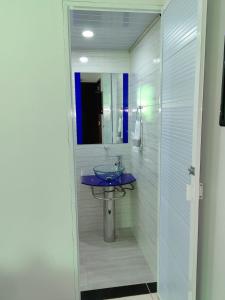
112,30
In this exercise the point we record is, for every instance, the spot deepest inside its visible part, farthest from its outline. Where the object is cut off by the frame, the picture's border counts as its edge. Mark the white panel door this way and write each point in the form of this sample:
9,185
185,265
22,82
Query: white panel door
183,23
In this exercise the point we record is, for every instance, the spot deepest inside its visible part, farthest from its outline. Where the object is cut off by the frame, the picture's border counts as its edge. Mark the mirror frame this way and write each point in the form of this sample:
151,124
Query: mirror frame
78,107
222,107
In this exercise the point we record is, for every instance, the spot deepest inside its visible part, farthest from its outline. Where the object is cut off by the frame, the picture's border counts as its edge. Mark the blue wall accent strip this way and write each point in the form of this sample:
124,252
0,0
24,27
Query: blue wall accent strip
125,107
78,105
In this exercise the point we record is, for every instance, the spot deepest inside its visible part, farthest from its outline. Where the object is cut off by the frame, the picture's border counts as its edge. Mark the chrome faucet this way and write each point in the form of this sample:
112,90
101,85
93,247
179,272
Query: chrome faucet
118,163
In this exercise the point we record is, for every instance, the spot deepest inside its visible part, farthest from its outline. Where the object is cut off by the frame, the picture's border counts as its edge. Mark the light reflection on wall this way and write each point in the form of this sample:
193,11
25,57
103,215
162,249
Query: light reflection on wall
145,98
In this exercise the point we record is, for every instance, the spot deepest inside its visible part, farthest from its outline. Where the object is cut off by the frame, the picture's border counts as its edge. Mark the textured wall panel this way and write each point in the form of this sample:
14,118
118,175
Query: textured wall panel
180,24
178,88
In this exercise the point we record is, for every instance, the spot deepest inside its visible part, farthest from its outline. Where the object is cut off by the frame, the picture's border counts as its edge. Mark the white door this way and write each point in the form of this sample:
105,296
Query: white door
183,23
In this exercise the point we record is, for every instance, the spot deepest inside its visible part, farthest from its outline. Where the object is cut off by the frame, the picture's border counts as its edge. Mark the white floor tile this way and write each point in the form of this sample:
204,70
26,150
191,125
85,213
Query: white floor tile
104,265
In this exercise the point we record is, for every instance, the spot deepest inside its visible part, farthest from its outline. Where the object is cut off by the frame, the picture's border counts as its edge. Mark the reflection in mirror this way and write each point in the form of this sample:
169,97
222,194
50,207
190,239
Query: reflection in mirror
101,108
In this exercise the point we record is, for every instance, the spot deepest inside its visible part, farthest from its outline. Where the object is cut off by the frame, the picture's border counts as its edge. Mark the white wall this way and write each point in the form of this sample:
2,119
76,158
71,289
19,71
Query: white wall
101,61
90,211
145,90
37,248
211,259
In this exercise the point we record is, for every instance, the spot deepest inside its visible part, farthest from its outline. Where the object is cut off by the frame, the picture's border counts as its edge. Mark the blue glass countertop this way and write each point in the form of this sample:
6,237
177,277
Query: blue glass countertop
93,180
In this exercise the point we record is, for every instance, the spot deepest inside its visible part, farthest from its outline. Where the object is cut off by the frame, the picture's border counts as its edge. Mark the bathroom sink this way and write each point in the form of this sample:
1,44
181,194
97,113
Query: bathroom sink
108,172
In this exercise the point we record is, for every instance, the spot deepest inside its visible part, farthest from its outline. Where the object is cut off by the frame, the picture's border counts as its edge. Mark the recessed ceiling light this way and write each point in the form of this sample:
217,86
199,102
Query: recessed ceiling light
83,59
88,34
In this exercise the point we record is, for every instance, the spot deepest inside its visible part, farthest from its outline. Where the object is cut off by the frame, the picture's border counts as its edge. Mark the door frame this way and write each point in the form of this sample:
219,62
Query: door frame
144,6
147,6
196,148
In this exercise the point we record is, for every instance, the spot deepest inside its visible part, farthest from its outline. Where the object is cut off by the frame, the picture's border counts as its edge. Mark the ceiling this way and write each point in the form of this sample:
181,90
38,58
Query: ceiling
112,30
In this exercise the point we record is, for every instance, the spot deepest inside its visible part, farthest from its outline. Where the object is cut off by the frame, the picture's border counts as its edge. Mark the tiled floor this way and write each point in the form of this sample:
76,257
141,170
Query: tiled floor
141,297
104,265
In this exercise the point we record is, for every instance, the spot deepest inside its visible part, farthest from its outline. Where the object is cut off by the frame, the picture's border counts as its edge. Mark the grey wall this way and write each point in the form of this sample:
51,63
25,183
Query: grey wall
211,256
37,184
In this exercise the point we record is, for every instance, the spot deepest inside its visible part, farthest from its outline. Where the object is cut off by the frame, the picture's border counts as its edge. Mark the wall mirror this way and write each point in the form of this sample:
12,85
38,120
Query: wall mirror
101,101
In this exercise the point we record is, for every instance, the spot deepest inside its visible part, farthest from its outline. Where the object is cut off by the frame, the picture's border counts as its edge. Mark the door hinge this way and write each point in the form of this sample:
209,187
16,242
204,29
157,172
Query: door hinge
191,171
201,191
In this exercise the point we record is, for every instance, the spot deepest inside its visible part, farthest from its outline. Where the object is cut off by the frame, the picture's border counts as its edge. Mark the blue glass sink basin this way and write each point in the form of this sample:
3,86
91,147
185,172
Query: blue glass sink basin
108,172
92,180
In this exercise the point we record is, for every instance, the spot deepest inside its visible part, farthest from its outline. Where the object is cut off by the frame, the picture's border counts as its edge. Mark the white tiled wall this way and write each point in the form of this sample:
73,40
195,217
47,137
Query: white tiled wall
90,211
145,91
